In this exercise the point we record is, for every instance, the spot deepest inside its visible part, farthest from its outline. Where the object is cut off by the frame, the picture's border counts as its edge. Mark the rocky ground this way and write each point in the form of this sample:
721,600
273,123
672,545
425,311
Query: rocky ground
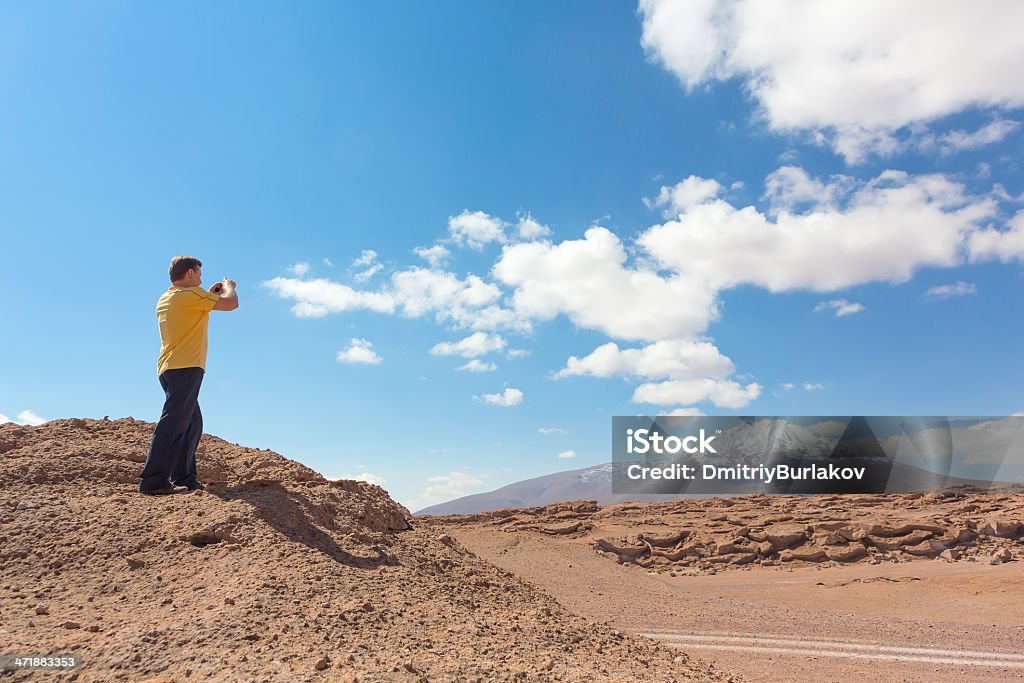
926,588
273,573
748,532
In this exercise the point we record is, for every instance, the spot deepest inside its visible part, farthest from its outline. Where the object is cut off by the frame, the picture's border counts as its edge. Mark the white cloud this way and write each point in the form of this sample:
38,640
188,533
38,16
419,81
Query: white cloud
853,74
367,260
809,386
791,189
685,412
517,353
506,399
884,230
829,428
476,229
436,255
359,351
452,485
476,344
299,269
958,288
959,140
467,302
548,431
788,386
588,281
567,454
528,228
690,192
367,477
25,417
477,365
722,393
365,275
1004,245
840,306
317,298
669,359
328,262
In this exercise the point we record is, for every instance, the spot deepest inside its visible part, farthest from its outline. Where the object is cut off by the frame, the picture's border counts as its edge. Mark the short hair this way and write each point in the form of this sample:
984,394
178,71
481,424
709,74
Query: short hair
181,265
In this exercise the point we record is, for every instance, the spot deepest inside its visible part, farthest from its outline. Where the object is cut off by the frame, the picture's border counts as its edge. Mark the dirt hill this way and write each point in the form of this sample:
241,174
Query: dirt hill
272,573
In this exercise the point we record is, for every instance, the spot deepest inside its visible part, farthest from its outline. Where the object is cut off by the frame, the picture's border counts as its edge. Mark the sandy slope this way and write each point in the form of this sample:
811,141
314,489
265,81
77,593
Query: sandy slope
271,574
887,616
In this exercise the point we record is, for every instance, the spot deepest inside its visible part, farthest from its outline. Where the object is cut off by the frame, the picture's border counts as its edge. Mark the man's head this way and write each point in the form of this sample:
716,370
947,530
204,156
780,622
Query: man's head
186,271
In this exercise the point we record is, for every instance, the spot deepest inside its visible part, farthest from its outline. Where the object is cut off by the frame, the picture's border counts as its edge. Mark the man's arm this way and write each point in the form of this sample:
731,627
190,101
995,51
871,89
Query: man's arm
228,296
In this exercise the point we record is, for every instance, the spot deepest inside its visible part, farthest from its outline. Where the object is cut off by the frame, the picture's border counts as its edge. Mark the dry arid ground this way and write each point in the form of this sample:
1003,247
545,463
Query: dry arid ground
896,587
273,573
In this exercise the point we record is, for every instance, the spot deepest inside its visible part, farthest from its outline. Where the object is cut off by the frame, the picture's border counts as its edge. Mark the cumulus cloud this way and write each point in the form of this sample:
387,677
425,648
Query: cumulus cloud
367,261
359,352
476,344
567,454
436,255
465,302
517,353
477,365
722,393
367,477
955,141
1003,245
548,431
861,62
506,399
685,412
669,359
813,386
452,485
25,417
299,269
788,386
956,289
690,192
476,229
588,281
528,228
884,230
840,306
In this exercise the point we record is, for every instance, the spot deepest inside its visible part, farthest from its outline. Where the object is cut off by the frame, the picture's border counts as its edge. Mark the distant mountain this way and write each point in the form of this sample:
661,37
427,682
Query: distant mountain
588,483
744,444
595,483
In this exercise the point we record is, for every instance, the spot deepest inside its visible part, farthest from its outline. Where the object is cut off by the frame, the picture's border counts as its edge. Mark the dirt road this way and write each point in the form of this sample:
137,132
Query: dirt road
921,621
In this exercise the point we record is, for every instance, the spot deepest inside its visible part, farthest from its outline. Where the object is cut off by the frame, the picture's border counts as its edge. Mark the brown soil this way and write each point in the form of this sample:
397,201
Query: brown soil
696,536
272,573
898,611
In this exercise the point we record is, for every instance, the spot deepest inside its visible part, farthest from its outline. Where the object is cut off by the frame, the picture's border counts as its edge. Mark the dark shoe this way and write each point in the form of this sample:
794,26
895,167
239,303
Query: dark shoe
193,485
167,490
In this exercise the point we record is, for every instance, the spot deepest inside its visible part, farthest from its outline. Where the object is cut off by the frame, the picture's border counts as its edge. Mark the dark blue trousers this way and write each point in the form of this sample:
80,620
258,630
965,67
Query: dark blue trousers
172,453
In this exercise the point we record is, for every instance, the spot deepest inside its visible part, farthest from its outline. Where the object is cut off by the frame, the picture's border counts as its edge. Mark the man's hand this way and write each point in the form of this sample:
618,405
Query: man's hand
228,296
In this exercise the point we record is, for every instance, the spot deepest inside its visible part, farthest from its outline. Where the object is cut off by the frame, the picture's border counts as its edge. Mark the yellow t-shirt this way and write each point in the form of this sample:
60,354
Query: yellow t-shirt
182,314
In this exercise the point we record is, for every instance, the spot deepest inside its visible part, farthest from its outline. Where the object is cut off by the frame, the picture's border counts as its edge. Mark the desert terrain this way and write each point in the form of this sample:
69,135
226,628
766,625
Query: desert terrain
273,573
894,587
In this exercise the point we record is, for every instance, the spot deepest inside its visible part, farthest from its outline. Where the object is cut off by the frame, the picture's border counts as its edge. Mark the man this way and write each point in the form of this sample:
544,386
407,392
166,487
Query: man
182,312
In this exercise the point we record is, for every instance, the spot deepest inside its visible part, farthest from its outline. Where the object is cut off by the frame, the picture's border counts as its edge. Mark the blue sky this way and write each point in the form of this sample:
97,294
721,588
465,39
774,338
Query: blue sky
754,235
